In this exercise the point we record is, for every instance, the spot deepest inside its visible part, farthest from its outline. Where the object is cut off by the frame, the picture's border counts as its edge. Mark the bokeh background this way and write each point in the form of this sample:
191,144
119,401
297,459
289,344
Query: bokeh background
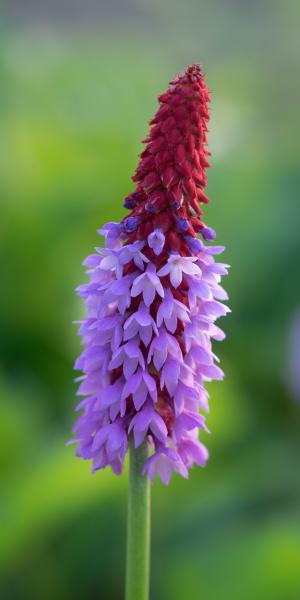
79,82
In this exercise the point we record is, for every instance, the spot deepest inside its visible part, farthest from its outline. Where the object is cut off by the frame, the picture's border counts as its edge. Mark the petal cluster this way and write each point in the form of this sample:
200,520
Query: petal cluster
152,300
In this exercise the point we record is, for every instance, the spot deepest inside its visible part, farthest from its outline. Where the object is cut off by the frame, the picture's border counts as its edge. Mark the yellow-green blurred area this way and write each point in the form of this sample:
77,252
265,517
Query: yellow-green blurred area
78,83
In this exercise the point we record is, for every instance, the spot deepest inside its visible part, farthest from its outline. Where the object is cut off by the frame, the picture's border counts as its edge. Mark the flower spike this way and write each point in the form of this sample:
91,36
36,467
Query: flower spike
152,300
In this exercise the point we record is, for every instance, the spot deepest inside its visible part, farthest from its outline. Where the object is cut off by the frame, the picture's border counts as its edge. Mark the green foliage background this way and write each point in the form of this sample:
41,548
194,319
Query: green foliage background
77,88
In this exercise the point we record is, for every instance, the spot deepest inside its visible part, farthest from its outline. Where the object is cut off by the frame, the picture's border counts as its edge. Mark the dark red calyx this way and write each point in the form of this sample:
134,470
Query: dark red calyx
171,175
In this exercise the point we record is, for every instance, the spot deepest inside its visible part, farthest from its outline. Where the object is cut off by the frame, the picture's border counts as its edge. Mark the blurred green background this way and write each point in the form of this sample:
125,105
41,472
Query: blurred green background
79,81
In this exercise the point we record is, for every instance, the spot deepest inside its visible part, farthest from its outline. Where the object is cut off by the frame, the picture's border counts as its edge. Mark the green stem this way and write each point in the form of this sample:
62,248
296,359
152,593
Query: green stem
138,526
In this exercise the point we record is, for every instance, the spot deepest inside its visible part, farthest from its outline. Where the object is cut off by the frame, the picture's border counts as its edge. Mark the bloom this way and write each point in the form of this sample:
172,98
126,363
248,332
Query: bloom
147,284
156,241
152,300
177,265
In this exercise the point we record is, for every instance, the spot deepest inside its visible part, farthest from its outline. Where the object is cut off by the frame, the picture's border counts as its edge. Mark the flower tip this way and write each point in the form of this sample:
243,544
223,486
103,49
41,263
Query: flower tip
208,234
130,224
195,245
129,203
182,224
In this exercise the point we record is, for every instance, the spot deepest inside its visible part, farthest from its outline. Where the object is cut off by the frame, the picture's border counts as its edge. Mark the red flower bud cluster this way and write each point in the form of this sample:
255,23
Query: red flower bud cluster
171,175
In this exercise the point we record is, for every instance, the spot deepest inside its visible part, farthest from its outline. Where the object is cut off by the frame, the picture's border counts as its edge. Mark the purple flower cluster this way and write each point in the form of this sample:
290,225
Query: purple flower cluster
147,351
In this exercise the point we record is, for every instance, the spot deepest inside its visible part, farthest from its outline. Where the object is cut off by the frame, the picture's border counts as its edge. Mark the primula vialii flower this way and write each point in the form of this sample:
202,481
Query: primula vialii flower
152,300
